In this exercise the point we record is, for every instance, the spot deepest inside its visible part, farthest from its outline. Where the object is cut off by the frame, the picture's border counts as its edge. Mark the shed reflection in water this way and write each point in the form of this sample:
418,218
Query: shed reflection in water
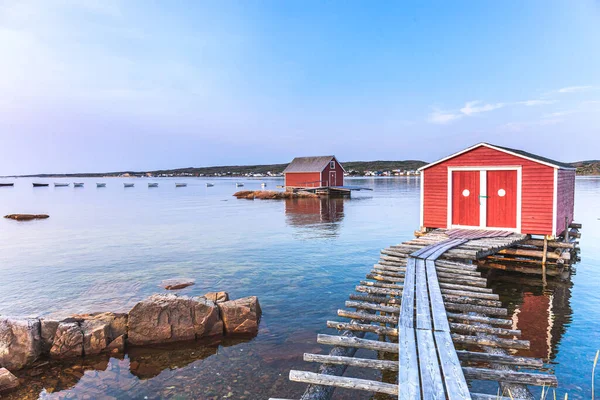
322,215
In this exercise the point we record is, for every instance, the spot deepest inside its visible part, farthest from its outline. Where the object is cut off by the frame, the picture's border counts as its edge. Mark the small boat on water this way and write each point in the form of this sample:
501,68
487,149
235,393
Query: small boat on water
40,184
99,185
6,184
180,184
61,184
239,185
77,184
210,185
152,185
128,184
264,185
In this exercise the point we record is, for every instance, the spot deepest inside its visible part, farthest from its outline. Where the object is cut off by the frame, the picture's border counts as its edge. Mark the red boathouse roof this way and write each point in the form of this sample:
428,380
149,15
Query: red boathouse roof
519,153
310,164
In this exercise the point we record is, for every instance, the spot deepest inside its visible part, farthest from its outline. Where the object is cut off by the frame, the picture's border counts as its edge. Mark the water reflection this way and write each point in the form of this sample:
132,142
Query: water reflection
116,376
541,313
320,216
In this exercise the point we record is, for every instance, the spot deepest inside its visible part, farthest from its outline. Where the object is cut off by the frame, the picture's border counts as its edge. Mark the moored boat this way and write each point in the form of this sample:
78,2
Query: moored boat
210,185
6,184
128,185
180,184
152,185
263,185
60,184
77,184
100,185
239,185
40,184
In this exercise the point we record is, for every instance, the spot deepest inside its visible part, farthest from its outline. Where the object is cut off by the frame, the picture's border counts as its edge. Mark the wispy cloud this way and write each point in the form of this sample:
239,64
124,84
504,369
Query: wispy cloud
521,126
476,107
443,117
530,103
575,89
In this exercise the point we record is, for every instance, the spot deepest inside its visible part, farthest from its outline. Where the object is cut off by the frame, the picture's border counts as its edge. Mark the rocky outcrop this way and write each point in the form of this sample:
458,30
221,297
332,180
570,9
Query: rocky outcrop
242,316
169,318
20,342
159,319
7,381
177,283
26,217
68,341
48,331
217,297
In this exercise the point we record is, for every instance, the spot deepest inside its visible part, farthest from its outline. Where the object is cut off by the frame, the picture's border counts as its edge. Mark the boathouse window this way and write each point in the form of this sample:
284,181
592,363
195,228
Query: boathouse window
332,165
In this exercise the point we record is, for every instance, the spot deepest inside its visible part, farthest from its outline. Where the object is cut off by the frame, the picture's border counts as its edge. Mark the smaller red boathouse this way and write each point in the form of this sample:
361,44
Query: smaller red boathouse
314,172
493,187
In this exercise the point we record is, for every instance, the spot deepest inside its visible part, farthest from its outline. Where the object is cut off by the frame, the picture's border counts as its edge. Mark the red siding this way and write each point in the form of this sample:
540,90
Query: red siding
565,199
536,195
339,173
302,179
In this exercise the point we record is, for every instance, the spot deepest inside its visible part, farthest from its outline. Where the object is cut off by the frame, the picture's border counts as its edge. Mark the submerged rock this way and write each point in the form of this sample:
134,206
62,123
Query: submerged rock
20,341
217,297
68,341
7,380
241,316
169,318
177,283
26,217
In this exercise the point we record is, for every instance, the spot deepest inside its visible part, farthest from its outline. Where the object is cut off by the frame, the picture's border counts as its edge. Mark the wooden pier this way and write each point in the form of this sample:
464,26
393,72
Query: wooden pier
437,325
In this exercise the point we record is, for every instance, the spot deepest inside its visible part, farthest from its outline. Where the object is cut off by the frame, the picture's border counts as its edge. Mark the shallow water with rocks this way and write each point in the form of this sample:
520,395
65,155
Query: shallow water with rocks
104,249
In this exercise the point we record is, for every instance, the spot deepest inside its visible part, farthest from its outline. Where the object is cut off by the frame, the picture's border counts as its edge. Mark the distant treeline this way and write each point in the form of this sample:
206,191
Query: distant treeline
359,166
591,167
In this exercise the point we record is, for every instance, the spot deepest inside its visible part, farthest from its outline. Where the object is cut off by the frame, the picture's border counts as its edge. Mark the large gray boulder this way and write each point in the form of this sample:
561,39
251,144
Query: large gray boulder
20,342
170,318
68,340
241,316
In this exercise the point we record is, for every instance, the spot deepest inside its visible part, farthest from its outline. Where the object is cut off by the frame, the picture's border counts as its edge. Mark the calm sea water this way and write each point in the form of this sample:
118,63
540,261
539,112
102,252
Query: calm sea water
107,248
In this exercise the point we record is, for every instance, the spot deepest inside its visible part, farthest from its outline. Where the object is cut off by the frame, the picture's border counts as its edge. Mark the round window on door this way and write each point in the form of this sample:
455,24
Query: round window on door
466,193
501,192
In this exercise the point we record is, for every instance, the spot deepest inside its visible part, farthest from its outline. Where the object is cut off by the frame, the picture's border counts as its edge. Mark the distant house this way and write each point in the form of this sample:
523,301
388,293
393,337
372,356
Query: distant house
493,187
310,172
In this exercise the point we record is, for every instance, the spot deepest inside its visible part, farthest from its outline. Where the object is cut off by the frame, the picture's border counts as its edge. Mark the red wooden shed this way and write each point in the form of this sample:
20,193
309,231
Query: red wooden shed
311,172
493,187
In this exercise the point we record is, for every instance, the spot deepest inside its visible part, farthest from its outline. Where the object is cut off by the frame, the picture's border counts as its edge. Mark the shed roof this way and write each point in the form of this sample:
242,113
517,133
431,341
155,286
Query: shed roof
519,153
309,164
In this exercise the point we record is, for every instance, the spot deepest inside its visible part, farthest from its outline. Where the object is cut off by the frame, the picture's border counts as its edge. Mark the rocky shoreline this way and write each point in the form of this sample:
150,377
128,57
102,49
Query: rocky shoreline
159,319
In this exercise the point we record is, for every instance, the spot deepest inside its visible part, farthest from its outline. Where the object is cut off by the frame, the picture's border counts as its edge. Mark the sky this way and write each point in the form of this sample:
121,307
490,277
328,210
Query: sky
112,85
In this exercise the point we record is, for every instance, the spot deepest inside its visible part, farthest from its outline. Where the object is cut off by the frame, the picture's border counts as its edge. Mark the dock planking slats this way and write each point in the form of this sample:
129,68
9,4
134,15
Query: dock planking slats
406,300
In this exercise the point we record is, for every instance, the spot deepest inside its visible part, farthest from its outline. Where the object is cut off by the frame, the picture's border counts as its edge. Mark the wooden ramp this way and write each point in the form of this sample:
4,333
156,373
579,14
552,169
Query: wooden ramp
421,302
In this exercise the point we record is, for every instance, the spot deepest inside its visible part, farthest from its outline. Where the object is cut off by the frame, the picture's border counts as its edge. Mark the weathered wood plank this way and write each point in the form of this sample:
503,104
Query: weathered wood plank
362,316
440,320
456,385
422,295
343,382
345,341
466,328
431,374
500,359
479,318
380,330
491,342
408,373
408,296
352,361
525,378
374,307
